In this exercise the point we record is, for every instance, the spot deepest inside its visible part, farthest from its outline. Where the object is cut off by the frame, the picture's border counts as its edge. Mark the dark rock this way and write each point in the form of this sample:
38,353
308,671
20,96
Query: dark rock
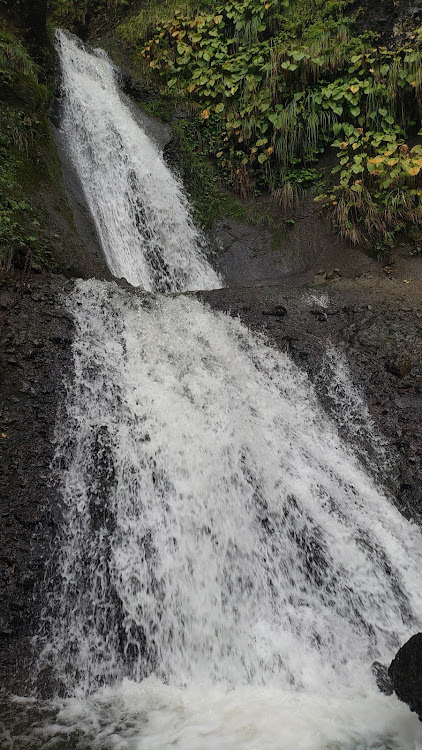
399,366
6,299
35,355
405,672
320,278
334,274
380,672
320,315
278,311
138,90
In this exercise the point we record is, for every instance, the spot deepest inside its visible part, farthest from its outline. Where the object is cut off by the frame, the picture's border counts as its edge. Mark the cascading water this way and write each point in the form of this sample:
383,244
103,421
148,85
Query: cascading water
139,209
222,551
226,570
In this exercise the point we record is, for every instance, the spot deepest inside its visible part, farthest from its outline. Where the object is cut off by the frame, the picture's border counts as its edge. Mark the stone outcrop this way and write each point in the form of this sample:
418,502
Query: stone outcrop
405,672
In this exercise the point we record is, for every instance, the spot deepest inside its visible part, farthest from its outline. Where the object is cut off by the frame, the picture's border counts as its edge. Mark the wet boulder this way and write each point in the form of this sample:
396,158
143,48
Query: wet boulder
405,672
380,672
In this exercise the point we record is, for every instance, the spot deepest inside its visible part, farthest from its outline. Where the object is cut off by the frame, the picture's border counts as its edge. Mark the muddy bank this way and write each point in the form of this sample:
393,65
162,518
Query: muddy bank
35,337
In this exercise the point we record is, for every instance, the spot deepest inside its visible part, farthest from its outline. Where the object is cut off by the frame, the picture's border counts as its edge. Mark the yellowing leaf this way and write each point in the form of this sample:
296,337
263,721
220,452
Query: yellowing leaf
354,88
269,150
218,19
414,171
205,114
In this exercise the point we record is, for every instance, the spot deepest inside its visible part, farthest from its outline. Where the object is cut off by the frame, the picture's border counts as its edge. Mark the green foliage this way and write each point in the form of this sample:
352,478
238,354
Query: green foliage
233,62
207,198
21,233
380,188
23,128
273,83
19,74
76,12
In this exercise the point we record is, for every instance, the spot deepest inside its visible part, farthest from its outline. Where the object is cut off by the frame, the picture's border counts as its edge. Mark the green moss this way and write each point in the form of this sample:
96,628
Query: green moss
160,107
203,185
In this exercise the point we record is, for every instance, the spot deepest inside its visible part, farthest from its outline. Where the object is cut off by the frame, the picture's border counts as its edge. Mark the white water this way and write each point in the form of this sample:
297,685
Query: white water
351,411
228,567
139,209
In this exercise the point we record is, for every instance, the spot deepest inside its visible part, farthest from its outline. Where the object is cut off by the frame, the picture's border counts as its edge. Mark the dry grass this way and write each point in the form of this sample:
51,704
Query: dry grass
287,196
360,220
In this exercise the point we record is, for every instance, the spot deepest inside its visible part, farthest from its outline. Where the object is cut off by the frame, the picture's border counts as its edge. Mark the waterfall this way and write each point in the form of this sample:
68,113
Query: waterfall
218,539
226,569
138,206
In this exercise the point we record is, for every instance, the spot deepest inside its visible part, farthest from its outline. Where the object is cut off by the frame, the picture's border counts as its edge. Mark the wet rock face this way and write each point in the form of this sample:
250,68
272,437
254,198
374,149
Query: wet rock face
35,337
392,21
405,672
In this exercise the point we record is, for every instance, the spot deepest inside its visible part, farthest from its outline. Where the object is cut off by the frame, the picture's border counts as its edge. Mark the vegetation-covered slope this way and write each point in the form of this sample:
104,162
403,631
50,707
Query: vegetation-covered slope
23,134
36,222
273,84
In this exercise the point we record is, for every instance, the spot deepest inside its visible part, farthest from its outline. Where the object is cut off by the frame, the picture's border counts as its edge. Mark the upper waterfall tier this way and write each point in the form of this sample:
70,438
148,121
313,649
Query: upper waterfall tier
140,212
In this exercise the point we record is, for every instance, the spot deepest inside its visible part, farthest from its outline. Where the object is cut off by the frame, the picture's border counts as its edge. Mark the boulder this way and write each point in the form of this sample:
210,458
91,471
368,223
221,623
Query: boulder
380,672
405,672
